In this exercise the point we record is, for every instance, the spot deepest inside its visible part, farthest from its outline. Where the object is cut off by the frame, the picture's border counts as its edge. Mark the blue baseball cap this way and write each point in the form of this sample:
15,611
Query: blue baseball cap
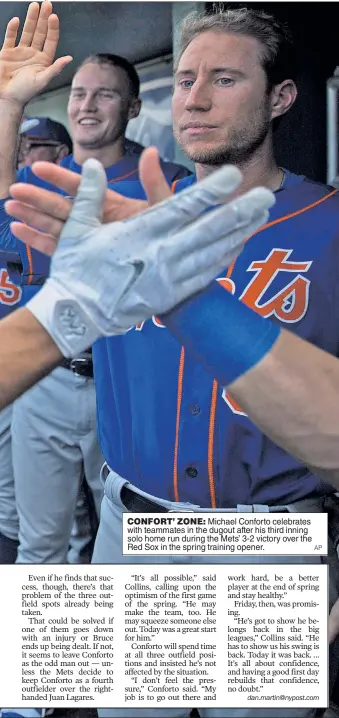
45,129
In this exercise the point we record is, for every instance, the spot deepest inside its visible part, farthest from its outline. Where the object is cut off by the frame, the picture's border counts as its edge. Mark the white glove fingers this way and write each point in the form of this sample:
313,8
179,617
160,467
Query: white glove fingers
170,280
89,201
211,191
223,222
216,256
241,213
181,209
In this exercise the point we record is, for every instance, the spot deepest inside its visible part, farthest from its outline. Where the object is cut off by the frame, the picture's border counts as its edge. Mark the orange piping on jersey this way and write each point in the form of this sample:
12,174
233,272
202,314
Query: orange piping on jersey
179,398
294,214
177,424
211,431
30,263
212,418
118,179
282,219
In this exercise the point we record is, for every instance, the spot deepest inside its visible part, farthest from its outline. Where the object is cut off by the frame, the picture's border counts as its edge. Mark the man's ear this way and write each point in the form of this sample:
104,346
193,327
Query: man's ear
62,153
283,96
134,109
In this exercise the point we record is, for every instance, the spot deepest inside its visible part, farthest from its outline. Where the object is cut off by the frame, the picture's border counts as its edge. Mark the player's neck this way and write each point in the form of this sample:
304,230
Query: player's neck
260,169
108,155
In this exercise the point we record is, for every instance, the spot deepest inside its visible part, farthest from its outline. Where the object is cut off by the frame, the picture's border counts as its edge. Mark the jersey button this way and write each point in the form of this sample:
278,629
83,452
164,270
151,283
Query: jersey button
191,472
194,409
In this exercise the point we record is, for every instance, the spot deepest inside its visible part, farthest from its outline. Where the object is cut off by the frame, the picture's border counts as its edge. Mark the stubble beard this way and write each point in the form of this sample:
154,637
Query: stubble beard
239,147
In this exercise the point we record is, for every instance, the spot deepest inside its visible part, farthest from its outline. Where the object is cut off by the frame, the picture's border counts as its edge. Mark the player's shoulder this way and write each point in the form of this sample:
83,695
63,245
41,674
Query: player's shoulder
319,189
314,201
309,188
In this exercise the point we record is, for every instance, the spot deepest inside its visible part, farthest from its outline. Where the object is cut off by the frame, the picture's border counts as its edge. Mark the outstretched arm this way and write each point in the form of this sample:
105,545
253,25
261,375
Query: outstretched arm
292,395
27,354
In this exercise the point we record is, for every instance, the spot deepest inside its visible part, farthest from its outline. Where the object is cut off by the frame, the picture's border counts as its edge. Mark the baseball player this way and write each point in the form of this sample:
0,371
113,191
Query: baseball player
198,447
54,447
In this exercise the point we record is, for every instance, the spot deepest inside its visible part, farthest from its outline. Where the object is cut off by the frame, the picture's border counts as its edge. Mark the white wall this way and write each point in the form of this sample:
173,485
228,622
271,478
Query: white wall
51,104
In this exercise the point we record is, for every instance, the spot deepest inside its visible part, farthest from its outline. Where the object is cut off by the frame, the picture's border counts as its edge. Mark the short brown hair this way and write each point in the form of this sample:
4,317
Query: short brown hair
277,56
107,58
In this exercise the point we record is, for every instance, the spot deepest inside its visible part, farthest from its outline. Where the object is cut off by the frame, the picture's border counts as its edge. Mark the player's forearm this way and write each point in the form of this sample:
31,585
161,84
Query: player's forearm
27,353
292,394
11,115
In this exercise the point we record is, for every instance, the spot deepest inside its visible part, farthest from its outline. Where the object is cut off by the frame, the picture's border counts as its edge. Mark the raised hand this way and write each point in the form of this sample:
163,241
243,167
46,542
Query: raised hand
27,66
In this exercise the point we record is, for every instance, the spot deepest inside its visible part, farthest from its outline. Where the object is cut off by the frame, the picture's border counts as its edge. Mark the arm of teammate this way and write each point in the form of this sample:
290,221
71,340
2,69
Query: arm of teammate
25,70
27,354
292,395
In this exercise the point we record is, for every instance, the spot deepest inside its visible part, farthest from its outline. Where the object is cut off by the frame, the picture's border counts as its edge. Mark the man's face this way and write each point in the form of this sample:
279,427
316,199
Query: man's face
221,108
99,105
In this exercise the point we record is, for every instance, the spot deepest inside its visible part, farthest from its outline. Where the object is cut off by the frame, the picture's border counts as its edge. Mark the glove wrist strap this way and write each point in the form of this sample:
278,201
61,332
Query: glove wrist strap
64,319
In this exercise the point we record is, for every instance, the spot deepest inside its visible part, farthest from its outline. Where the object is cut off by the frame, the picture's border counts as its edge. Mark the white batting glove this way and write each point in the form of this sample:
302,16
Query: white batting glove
106,278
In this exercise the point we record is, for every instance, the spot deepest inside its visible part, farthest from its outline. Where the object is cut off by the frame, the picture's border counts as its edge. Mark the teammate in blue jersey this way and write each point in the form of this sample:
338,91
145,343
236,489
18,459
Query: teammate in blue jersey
197,448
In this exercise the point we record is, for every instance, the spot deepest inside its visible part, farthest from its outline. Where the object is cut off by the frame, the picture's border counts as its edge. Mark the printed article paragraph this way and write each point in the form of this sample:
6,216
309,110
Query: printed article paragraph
164,635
